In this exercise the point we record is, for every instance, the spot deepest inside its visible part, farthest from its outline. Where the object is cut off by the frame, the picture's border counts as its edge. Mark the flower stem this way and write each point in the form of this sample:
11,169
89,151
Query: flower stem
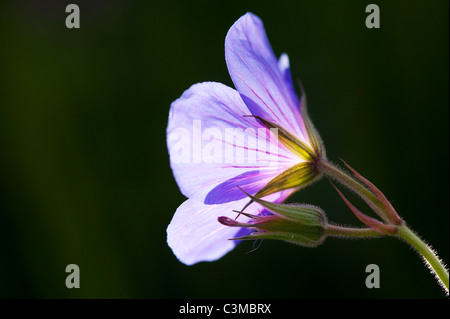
350,232
336,173
350,181
430,257
403,232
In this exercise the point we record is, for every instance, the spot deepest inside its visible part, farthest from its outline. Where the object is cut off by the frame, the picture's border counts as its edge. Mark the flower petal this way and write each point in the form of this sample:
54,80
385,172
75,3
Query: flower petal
231,190
264,83
210,141
195,235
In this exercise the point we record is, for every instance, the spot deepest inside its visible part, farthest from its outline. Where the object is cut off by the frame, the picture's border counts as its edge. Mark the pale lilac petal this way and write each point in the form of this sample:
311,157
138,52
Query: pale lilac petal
230,190
195,235
210,141
262,81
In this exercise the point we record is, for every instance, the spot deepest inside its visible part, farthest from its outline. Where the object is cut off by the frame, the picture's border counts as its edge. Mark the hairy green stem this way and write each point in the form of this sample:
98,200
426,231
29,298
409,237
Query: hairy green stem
350,181
350,232
429,255
403,232
332,171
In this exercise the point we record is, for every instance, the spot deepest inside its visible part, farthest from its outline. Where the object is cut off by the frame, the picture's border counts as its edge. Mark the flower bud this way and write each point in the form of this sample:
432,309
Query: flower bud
298,224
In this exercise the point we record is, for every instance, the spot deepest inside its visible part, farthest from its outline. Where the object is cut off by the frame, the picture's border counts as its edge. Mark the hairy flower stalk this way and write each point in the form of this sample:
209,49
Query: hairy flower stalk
393,225
430,257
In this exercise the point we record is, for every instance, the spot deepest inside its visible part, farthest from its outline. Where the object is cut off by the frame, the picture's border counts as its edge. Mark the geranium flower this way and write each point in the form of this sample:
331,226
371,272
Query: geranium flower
222,142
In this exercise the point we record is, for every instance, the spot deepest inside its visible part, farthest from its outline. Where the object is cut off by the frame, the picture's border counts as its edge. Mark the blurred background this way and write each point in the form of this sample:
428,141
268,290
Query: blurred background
84,170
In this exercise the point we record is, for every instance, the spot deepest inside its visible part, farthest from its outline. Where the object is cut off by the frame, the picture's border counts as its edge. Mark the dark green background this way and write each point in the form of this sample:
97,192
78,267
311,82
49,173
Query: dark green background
84,170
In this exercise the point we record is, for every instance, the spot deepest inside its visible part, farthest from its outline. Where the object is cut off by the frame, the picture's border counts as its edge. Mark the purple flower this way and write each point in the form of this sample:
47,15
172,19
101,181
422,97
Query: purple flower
257,138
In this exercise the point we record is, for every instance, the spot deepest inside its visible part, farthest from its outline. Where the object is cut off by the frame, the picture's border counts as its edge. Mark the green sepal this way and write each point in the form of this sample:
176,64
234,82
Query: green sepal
297,176
313,134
